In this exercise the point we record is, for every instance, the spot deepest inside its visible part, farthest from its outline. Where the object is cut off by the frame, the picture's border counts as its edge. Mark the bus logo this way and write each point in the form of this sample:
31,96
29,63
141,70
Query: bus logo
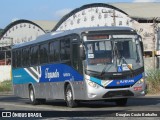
118,83
51,75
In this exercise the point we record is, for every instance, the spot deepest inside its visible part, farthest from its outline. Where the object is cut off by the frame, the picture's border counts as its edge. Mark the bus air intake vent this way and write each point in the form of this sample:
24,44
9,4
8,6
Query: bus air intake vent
118,93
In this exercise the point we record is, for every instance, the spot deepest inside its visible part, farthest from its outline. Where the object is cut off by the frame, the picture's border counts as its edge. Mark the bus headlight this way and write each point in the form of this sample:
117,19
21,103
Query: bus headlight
140,81
92,84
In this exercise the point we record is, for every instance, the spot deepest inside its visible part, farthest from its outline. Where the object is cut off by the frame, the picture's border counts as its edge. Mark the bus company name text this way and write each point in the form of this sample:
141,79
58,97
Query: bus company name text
51,75
22,115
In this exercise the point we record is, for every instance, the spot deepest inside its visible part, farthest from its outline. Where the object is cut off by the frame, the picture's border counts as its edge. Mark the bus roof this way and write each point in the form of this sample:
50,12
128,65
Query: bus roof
57,34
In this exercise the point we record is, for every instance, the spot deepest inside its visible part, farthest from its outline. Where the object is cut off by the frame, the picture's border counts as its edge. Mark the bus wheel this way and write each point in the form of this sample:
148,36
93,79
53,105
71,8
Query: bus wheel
69,97
121,102
41,101
32,98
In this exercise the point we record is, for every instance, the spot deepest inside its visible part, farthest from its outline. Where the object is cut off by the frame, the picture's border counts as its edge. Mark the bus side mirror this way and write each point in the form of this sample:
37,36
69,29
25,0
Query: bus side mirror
141,43
82,52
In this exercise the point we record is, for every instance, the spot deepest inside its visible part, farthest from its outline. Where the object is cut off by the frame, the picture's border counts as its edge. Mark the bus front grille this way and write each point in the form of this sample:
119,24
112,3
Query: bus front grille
118,93
113,87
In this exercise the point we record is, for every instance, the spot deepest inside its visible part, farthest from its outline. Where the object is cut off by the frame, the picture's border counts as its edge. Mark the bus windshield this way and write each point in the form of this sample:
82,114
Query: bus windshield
114,55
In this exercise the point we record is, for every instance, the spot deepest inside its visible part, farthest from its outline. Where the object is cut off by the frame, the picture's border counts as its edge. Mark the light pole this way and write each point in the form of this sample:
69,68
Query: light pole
155,30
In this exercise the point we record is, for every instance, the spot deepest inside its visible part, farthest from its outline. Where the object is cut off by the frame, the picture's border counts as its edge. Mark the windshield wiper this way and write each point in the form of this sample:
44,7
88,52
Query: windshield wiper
124,60
120,57
104,69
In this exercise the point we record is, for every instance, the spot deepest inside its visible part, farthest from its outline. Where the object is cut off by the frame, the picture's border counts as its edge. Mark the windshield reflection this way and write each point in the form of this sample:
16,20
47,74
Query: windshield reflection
107,55
98,52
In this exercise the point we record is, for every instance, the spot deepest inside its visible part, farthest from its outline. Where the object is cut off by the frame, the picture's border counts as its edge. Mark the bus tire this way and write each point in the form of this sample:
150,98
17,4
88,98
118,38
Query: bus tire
41,101
121,102
69,97
32,98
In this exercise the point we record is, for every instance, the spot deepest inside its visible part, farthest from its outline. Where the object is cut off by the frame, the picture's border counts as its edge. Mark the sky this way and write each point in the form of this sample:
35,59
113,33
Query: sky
12,10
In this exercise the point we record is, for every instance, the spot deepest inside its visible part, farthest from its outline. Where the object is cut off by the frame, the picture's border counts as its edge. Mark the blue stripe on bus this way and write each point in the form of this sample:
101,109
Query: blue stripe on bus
123,82
20,76
49,73
96,80
59,72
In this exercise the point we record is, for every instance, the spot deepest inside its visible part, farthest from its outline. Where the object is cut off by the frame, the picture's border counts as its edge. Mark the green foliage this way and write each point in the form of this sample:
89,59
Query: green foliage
153,81
6,86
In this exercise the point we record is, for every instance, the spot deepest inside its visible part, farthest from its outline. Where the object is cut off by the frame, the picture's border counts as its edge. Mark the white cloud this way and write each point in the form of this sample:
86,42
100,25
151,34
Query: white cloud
62,12
145,1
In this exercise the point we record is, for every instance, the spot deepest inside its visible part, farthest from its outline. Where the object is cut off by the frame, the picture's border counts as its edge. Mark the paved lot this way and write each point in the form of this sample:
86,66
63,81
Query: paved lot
87,110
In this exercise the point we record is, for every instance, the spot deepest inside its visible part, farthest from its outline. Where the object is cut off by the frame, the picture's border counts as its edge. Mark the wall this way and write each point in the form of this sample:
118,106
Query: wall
147,33
5,73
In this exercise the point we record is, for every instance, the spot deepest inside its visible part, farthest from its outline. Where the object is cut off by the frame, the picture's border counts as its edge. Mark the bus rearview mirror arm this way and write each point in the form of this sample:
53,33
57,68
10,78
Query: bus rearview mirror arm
141,43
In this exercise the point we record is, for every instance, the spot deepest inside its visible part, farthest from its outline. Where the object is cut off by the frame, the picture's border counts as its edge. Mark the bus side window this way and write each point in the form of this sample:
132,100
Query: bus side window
76,61
18,55
54,51
75,56
25,57
14,59
65,49
34,55
43,53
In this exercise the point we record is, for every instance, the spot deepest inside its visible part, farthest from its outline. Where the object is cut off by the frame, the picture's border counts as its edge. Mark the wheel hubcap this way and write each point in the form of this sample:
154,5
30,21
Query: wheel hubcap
69,95
31,95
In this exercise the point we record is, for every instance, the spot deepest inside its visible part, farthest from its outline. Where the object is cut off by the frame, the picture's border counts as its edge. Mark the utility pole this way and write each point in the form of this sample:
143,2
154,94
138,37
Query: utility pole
113,14
155,26
114,17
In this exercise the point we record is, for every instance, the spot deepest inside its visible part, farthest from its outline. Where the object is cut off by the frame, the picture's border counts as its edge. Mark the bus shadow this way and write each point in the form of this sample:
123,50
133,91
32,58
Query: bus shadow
145,101
89,104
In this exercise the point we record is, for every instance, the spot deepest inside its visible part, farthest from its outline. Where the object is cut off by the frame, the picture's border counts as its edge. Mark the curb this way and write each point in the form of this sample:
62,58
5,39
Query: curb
152,95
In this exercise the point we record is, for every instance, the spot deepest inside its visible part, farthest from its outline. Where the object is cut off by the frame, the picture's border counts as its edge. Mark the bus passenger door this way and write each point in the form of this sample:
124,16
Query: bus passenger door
76,62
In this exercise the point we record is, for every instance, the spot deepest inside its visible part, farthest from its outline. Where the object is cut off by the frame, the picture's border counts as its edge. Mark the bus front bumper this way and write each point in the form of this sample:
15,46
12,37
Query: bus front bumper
100,93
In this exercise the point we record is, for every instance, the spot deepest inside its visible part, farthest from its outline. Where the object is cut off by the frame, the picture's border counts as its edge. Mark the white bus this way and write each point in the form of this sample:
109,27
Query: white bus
84,64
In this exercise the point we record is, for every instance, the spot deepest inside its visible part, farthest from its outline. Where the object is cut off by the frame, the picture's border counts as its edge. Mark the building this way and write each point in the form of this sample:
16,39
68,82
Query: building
143,17
15,33
47,26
